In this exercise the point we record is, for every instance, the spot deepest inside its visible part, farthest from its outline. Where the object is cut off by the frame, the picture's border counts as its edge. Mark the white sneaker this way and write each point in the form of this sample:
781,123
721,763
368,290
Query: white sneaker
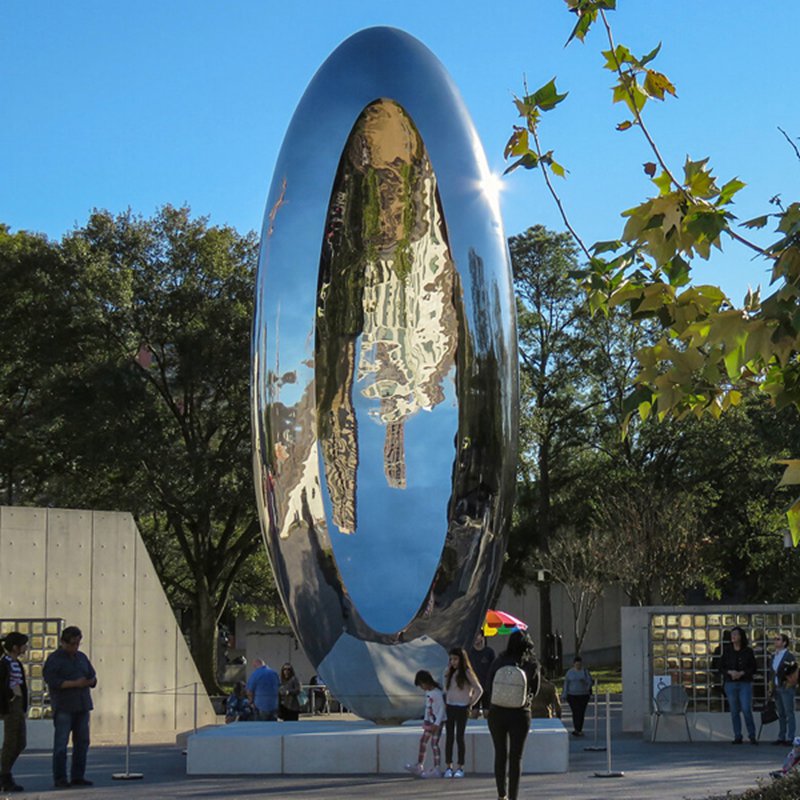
459,773
448,773
415,769
433,772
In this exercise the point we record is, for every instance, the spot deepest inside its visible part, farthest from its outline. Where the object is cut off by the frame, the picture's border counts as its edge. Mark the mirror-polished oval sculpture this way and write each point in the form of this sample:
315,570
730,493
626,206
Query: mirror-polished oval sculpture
384,373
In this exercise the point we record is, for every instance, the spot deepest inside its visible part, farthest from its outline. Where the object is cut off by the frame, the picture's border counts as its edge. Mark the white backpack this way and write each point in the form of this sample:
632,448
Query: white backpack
510,687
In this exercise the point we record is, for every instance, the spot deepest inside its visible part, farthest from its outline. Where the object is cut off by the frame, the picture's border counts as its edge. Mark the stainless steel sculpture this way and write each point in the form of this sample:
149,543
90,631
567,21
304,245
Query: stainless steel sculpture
384,373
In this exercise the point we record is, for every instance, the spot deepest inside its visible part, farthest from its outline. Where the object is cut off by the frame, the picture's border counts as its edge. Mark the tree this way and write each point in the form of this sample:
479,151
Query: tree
579,563
709,349
165,329
35,292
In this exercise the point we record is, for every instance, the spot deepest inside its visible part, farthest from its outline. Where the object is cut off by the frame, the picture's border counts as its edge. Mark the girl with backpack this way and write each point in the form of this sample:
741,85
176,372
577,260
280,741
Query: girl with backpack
462,690
432,721
514,678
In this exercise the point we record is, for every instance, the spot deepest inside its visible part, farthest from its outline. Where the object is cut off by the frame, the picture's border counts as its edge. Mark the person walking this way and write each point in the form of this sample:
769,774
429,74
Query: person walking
289,695
513,677
70,676
462,690
737,665
784,696
577,692
13,706
262,690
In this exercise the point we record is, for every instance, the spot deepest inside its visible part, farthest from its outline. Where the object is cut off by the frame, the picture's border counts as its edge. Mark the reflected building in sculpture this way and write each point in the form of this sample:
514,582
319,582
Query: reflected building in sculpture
384,373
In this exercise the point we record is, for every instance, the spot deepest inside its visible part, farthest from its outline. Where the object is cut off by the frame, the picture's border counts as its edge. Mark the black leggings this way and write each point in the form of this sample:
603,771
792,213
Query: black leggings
456,721
509,728
578,703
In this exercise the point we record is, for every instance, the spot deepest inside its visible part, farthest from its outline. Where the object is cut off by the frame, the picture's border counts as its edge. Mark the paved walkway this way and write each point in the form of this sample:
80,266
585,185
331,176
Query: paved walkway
652,772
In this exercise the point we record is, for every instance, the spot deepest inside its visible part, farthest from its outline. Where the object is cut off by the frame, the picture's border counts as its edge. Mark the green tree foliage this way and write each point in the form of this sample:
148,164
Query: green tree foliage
149,406
36,293
684,506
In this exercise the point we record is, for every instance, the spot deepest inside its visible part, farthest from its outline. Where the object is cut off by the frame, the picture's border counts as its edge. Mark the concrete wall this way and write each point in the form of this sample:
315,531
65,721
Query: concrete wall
91,569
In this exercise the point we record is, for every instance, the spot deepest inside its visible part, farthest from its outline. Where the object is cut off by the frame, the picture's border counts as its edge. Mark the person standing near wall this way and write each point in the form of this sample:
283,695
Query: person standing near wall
784,696
737,664
70,676
13,706
262,689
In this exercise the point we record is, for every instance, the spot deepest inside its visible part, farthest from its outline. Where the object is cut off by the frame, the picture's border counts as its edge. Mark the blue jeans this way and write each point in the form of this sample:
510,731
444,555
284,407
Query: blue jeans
784,704
77,724
740,698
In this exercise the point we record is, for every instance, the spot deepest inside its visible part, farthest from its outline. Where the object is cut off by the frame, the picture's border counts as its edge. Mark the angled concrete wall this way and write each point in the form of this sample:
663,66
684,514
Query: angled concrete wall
91,569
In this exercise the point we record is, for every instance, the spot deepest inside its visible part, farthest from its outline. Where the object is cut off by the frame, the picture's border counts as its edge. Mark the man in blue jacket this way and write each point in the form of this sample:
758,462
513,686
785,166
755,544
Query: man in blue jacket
70,677
262,689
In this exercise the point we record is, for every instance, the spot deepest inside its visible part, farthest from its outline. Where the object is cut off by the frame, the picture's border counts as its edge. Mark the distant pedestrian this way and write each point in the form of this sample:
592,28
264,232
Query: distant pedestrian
514,678
237,706
69,676
432,722
462,690
289,695
577,692
481,657
737,664
262,689
13,706
784,695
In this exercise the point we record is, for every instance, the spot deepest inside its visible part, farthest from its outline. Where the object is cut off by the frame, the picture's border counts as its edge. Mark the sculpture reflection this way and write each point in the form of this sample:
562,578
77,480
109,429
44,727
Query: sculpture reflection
384,378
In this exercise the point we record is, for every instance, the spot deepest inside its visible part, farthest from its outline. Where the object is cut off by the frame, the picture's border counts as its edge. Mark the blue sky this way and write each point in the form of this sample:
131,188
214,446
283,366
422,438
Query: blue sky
118,104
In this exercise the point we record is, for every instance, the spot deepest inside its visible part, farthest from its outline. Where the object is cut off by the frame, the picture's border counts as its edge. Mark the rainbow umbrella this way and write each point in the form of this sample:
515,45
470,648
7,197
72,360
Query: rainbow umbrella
499,623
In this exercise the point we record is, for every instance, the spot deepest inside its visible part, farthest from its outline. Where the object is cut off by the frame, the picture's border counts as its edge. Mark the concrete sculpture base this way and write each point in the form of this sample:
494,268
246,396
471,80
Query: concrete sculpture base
353,748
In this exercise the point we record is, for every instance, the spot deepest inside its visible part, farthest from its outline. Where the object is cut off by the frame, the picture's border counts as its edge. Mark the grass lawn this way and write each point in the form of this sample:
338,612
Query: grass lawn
606,679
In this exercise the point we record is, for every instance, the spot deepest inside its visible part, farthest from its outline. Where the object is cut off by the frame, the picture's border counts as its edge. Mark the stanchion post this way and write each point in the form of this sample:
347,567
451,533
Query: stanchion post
609,773
594,747
195,707
128,775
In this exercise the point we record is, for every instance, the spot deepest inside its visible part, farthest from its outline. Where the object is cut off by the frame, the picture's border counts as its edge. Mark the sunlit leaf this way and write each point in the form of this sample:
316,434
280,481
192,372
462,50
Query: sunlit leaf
625,125
656,84
729,190
547,97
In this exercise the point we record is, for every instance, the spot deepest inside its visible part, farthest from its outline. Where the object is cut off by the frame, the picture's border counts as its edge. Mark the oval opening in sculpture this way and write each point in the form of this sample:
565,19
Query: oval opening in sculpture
388,303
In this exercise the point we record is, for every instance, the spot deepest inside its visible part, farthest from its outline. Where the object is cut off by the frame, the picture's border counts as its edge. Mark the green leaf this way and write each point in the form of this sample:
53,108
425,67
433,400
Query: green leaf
664,183
650,56
756,222
625,125
547,97
729,190
529,161
617,57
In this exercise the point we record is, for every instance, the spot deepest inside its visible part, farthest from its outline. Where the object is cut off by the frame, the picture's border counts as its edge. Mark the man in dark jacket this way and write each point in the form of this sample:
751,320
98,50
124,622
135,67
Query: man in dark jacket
69,676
